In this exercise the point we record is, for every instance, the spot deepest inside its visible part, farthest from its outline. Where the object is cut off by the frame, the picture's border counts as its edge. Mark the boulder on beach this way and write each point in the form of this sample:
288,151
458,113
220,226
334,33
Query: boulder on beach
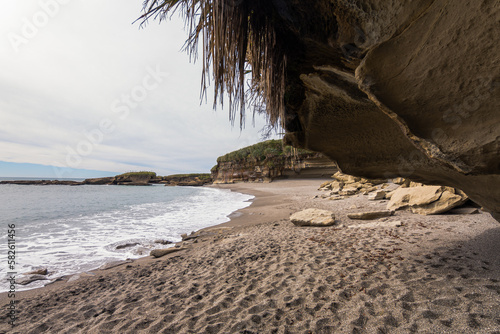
162,252
370,215
163,242
378,224
313,217
377,195
426,200
113,264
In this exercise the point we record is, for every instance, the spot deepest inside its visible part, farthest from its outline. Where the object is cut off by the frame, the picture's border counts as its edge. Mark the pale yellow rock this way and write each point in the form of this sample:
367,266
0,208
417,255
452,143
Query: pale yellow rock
426,200
339,176
336,186
313,217
336,198
325,185
369,190
416,184
162,252
349,190
377,195
370,215
398,180
378,224
389,194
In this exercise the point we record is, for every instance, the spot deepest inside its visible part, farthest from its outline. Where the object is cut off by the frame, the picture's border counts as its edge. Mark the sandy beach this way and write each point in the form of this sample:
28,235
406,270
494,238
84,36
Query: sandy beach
259,273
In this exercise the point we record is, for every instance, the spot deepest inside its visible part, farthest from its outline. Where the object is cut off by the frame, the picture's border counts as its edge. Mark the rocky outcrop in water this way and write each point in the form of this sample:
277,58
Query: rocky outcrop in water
128,179
192,180
42,182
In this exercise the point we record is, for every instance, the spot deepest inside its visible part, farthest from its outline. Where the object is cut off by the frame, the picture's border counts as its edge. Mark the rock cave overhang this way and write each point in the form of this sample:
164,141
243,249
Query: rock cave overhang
407,89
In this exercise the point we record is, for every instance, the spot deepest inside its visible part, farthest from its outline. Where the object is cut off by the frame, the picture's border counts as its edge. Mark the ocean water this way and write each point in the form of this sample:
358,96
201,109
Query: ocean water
72,229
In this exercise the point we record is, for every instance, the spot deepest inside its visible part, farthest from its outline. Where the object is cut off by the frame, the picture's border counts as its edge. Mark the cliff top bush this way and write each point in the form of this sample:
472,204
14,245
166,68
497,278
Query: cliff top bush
262,151
144,173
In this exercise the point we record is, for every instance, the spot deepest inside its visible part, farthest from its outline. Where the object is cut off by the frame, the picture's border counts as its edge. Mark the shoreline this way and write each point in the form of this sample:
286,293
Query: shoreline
234,221
431,274
58,281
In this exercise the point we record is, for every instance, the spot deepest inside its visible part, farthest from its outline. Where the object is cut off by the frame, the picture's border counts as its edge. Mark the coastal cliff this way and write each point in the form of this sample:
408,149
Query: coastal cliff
269,160
384,88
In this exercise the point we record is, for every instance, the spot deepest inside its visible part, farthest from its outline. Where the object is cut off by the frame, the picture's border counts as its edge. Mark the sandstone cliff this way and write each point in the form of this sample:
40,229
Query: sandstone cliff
385,88
192,180
399,88
269,160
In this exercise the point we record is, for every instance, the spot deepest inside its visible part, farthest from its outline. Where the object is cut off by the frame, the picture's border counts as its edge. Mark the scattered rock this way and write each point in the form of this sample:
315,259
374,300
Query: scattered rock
325,185
464,211
29,279
100,181
406,183
370,215
162,252
348,185
192,236
399,180
378,224
366,191
349,190
42,271
389,194
377,195
132,244
336,186
163,242
313,217
113,264
426,200
345,178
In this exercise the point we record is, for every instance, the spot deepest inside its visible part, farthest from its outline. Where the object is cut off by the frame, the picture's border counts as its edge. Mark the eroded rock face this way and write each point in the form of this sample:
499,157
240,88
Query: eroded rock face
248,170
398,88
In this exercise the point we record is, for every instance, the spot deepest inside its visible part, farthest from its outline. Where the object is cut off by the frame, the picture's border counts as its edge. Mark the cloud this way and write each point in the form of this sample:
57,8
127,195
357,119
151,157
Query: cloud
88,65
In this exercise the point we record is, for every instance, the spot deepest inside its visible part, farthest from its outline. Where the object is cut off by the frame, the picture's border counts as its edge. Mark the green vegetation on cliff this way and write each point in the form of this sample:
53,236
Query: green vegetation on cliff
202,176
136,174
262,151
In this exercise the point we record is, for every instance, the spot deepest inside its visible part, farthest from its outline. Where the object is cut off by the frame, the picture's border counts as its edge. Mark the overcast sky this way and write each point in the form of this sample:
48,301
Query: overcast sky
82,87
